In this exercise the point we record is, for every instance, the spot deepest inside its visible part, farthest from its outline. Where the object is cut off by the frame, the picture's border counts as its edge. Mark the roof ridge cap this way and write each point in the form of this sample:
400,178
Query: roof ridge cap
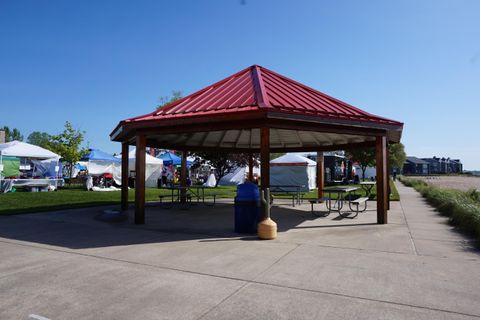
259,87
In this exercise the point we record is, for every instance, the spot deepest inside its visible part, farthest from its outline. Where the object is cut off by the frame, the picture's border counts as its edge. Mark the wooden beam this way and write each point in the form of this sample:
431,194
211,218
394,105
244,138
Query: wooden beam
183,178
382,192
165,145
140,179
320,174
250,167
264,160
124,201
265,157
389,191
235,121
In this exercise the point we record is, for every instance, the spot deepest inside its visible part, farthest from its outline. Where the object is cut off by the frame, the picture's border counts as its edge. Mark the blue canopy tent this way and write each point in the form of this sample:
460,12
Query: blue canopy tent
170,158
98,155
100,163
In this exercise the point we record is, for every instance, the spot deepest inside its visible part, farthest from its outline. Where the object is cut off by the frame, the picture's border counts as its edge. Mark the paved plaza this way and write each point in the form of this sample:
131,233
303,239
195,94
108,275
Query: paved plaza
189,264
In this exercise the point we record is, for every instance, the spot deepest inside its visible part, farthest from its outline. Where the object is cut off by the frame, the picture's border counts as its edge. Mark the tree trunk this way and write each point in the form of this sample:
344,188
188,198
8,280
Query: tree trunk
363,172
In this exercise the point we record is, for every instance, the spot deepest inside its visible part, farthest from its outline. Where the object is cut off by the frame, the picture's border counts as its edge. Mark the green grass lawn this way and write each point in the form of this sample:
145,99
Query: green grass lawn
78,197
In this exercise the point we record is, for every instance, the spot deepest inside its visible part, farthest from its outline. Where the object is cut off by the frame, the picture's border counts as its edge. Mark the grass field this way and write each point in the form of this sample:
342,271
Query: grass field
78,197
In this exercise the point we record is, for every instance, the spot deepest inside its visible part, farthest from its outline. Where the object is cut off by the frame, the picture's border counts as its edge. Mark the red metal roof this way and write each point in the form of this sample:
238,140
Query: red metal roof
257,89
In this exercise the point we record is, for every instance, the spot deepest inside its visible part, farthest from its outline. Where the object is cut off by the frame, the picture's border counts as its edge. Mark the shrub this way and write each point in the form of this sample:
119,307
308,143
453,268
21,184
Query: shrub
462,207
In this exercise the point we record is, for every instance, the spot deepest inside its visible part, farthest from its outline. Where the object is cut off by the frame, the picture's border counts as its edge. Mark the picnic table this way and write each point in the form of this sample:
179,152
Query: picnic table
197,192
296,191
344,194
368,186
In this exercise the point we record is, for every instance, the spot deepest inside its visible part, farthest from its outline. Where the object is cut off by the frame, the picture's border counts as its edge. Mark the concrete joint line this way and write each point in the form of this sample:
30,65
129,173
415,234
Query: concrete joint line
408,226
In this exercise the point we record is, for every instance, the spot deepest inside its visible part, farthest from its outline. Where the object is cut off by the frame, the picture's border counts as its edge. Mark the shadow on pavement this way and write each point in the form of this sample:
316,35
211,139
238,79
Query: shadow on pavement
78,228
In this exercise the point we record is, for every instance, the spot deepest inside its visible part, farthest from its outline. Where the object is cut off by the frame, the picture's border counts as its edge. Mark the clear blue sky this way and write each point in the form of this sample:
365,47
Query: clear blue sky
97,62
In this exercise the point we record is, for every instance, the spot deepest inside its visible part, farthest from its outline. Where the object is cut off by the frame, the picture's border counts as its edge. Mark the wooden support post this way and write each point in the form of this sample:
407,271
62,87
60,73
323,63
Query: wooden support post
382,192
250,167
389,191
183,178
140,179
265,159
124,203
320,174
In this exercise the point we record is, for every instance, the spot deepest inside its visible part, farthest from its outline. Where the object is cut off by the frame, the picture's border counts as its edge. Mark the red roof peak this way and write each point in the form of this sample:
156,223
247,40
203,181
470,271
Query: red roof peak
258,89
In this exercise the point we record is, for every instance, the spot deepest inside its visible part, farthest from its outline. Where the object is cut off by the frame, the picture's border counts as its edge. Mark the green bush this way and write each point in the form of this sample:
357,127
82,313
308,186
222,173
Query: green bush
462,207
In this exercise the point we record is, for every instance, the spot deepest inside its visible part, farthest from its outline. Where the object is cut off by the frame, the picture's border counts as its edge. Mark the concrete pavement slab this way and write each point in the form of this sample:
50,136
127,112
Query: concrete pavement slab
70,286
257,301
446,284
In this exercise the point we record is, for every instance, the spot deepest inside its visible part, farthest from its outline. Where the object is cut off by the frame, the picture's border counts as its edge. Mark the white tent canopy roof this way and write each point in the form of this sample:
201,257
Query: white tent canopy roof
148,158
292,158
22,149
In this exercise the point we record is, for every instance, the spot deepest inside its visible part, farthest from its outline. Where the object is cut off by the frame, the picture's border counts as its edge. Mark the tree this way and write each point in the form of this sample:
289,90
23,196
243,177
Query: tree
364,157
41,139
224,162
165,100
67,145
396,155
11,135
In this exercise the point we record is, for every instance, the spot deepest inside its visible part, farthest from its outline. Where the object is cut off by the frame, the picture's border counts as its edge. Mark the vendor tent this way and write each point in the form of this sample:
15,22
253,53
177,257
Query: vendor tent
153,168
293,170
237,176
169,158
26,150
99,163
10,166
13,153
46,168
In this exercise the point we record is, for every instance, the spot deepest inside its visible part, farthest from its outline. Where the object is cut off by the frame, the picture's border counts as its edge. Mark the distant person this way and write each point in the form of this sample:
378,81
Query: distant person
394,175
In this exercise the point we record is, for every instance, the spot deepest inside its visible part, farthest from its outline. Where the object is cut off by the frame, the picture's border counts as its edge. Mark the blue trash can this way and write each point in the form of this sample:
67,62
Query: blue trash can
247,208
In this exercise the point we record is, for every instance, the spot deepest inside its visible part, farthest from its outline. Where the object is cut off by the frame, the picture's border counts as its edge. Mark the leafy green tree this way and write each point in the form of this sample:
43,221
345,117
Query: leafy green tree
12,134
67,145
396,155
165,100
364,157
41,139
224,162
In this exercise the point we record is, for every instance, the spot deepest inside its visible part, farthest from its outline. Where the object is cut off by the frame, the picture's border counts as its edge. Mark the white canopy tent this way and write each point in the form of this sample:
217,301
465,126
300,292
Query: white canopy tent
153,168
26,150
237,176
21,149
293,170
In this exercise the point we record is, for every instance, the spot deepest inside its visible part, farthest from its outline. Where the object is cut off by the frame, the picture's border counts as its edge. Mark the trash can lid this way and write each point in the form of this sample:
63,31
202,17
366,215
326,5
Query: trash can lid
247,191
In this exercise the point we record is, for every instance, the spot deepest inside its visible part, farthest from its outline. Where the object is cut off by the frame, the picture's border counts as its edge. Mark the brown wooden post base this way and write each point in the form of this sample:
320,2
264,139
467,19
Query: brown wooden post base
140,179
382,175
124,201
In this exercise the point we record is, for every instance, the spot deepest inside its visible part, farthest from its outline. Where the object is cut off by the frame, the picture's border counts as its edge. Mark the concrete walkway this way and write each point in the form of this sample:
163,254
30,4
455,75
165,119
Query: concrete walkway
190,265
